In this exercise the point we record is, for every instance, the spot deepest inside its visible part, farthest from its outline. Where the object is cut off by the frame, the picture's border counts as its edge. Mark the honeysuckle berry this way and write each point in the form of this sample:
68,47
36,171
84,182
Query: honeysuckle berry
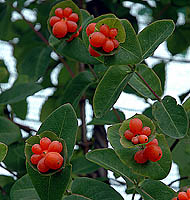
59,12
55,146
182,196
44,143
113,32
53,160
36,148
60,29
67,12
90,29
135,125
135,140
42,167
146,131
116,43
53,20
154,141
139,157
93,52
105,30
128,135
35,158
153,153
73,17
108,46
143,139
97,39
188,192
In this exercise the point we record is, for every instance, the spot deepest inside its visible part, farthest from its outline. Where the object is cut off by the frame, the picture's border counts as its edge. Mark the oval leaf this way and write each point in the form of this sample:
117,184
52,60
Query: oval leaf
62,122
23,189
125,126
3,151
109,88
129,51
170,117
153,35
153,170
94,189
19,92
50,187
76,197
150,77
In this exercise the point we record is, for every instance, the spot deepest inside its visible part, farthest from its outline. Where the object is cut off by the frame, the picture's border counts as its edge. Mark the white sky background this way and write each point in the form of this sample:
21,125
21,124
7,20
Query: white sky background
177,82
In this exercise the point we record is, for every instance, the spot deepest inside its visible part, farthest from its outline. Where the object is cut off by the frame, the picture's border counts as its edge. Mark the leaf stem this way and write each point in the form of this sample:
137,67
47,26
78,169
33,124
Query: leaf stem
46,42
174,144
93,72
147,85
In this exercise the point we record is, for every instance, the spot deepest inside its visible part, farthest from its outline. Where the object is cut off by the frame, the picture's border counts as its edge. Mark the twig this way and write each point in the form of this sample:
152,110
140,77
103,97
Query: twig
25,128
8,170
117,114
46,42
171,59
133,197
174,144
93,72
179,179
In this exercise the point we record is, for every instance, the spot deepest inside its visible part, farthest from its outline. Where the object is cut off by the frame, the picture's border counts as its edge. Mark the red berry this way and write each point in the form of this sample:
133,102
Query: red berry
35,158
139,157
146,131
135,140
55,146
53,160
53,20
67,12
36,148
73,17
108,46
97,39
60,29
93,52
44,152
44,143
80,29
128,135
182,196
42,167
143,139
135,125
175,198
188,192
105,30
115,42
59,12
113,32
90,28
153,142
71,26
153,153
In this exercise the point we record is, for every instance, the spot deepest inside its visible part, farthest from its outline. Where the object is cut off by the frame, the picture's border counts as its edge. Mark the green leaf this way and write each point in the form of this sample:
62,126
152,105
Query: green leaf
3,151
108,159
9,132
35,62
36,140
153,35
50,187
23,189
125,126
170,117
109,88
80,165
150,77
20,109
62,122
76,197
94,189
4,74
19,92
109,118
76,88
155,190
129,51
154,170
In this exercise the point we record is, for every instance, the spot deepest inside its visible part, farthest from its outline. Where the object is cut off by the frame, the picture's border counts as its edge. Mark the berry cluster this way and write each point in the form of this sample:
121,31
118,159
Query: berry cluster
139,134
183,195
64,22
47,155
104,39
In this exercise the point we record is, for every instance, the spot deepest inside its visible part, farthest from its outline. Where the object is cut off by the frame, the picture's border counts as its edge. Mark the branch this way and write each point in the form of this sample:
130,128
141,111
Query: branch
117,114
174,144
45,41
25,128
171,59
133,197
179,179
8,170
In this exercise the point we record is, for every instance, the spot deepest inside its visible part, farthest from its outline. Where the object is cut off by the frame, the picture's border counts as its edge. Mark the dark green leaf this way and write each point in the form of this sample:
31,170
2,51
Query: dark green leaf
35,62
153,170
23,189
109,88
5,180
3,151
153,35
94,189
50,187
109,160
19,92
111,117
62,122
4,74
129,51
76,88
20,109
9,132
155,190
170,117
76,197
150,77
